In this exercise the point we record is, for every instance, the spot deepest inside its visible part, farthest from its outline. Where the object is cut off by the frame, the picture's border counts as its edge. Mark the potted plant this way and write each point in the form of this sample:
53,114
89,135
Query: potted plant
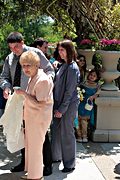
109,44
87,48
110,52
109,49
87,44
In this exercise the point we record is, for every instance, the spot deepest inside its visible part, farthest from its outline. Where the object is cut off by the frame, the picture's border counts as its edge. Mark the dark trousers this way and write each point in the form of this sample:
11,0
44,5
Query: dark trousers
47,154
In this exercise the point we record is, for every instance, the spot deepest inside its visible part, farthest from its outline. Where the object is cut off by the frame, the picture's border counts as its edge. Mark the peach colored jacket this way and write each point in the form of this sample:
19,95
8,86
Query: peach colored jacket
41,88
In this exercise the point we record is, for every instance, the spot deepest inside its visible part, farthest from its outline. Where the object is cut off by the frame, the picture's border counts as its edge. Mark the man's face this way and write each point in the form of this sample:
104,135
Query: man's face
16,48
44,47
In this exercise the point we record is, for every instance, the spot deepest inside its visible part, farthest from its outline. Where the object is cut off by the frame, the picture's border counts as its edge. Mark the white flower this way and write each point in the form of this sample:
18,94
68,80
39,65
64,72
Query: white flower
80,93
83,91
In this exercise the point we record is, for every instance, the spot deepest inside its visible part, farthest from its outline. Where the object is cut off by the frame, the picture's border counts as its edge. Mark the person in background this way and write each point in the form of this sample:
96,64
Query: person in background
12,75
81,62
90,89
38,104
42,44
65,107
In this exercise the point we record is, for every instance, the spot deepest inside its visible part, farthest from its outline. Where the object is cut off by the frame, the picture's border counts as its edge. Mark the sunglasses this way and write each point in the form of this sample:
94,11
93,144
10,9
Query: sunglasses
81,60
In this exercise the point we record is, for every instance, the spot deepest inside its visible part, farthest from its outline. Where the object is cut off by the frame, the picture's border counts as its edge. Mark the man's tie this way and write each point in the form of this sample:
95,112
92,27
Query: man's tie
17,76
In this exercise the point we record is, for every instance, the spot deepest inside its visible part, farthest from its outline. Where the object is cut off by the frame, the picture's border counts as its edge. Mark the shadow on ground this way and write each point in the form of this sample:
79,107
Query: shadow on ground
9,176
102,148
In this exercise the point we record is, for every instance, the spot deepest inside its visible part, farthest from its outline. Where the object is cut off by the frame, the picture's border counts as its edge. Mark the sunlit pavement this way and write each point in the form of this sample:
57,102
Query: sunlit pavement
94,161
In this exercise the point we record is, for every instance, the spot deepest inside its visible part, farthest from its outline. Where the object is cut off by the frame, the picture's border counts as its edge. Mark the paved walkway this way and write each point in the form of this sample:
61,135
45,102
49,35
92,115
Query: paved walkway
94,161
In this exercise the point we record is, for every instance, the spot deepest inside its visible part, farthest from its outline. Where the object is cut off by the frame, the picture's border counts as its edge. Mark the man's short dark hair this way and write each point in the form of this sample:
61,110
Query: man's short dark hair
39,42
14,37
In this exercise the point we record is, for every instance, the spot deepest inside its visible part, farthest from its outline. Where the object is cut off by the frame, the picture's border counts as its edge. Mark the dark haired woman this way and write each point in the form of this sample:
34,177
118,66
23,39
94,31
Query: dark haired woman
65,107
81,62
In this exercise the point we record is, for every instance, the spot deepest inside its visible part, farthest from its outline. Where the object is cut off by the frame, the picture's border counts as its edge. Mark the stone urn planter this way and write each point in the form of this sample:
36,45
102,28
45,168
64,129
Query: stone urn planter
88,53
109,62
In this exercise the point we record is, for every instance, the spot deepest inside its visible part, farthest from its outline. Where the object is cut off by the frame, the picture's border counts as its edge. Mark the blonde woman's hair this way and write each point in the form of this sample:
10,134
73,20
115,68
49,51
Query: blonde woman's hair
30,57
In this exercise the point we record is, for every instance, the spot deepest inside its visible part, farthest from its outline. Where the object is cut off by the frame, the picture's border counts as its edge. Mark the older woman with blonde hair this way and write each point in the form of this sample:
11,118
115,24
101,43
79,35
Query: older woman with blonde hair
37,113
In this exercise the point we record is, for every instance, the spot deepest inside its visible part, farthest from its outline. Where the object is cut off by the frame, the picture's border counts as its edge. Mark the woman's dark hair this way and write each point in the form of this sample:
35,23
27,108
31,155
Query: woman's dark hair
14,37
80,55
56,55
97,73
70,49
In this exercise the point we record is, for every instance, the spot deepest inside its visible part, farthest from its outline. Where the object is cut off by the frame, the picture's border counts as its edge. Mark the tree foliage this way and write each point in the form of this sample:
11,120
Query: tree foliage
77,19
81,17
31,29
86,17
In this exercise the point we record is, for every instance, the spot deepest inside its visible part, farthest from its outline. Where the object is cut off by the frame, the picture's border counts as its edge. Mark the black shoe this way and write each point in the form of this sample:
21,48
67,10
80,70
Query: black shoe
57,161
65,170
18,168
47,170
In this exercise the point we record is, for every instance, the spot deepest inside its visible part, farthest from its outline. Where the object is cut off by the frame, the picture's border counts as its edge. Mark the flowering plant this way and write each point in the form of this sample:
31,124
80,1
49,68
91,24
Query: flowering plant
110,45
81,93
87,44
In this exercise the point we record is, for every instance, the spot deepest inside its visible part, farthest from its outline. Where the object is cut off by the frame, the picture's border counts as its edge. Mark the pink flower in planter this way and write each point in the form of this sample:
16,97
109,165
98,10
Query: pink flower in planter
86,41
87,44
110,44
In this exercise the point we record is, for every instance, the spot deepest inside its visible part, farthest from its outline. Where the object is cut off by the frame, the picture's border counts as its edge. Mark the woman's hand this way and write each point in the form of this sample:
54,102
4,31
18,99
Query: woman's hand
57,114
55,64
20,91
